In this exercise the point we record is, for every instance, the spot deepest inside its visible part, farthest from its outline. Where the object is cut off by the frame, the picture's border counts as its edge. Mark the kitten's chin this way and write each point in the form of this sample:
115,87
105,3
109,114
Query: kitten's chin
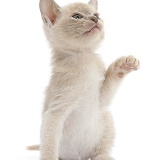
94,35
94,30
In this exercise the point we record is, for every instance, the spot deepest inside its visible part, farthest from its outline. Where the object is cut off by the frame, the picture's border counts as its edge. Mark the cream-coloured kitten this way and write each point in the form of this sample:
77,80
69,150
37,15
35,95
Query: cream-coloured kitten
76,123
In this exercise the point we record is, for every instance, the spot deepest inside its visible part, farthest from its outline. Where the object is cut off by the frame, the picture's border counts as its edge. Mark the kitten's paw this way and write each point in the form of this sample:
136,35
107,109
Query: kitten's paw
125,65
108,158
101,157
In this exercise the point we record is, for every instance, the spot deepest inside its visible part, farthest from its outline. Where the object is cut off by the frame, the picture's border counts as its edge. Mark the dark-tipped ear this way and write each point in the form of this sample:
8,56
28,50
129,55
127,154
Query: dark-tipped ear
94,4
49,10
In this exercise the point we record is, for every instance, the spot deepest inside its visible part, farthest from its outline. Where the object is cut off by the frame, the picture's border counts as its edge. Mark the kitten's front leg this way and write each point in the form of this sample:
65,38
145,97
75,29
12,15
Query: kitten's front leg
62,97
114,75
51,130
52,123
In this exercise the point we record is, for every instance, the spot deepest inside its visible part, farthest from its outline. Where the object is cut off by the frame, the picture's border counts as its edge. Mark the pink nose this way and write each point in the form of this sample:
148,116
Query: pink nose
94,19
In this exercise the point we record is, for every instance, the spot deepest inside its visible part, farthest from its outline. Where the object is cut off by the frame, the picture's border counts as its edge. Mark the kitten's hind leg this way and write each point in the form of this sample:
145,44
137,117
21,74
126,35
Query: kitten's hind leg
103,149
103,158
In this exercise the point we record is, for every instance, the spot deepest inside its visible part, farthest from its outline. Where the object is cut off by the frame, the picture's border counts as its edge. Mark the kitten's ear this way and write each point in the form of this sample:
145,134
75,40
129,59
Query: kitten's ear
49,10
93,3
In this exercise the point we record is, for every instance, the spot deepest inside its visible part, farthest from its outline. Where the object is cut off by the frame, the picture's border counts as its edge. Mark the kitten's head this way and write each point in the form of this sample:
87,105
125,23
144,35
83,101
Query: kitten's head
76,26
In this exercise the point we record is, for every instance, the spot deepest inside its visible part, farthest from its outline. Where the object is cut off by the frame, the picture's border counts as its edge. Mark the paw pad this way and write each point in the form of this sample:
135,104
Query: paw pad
126,64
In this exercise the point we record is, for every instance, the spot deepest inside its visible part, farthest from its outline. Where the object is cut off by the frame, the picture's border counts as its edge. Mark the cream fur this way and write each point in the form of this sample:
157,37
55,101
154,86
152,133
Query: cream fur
76,123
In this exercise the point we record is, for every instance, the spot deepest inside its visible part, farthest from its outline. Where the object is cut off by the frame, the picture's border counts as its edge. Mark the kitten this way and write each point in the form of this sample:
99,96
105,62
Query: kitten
76,124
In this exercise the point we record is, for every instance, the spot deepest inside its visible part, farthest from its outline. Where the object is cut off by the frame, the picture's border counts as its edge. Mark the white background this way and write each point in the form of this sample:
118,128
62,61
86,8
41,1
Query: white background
132,27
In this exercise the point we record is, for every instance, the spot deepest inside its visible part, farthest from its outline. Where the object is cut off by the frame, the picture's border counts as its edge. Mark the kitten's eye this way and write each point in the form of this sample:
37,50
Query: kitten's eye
77,16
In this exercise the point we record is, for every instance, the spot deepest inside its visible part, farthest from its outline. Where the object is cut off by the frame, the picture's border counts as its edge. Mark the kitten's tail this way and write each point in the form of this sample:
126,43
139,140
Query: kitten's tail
33,147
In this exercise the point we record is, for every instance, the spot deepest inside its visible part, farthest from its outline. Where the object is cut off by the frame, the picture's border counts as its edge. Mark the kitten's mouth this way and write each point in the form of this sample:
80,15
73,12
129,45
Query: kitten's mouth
94,28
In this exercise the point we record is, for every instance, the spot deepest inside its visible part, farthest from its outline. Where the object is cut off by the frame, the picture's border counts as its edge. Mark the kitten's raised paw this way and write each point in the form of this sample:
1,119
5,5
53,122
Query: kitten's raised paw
126,64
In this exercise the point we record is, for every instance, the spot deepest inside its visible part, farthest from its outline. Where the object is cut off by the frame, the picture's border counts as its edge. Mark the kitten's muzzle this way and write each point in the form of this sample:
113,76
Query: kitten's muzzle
93,26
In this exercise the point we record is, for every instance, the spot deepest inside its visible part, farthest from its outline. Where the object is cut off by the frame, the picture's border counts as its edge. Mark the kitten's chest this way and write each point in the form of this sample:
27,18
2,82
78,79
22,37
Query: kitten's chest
93,69
93,74
80,134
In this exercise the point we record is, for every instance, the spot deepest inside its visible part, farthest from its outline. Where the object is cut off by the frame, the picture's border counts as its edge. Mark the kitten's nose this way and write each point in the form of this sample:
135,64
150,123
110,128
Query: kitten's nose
94,18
